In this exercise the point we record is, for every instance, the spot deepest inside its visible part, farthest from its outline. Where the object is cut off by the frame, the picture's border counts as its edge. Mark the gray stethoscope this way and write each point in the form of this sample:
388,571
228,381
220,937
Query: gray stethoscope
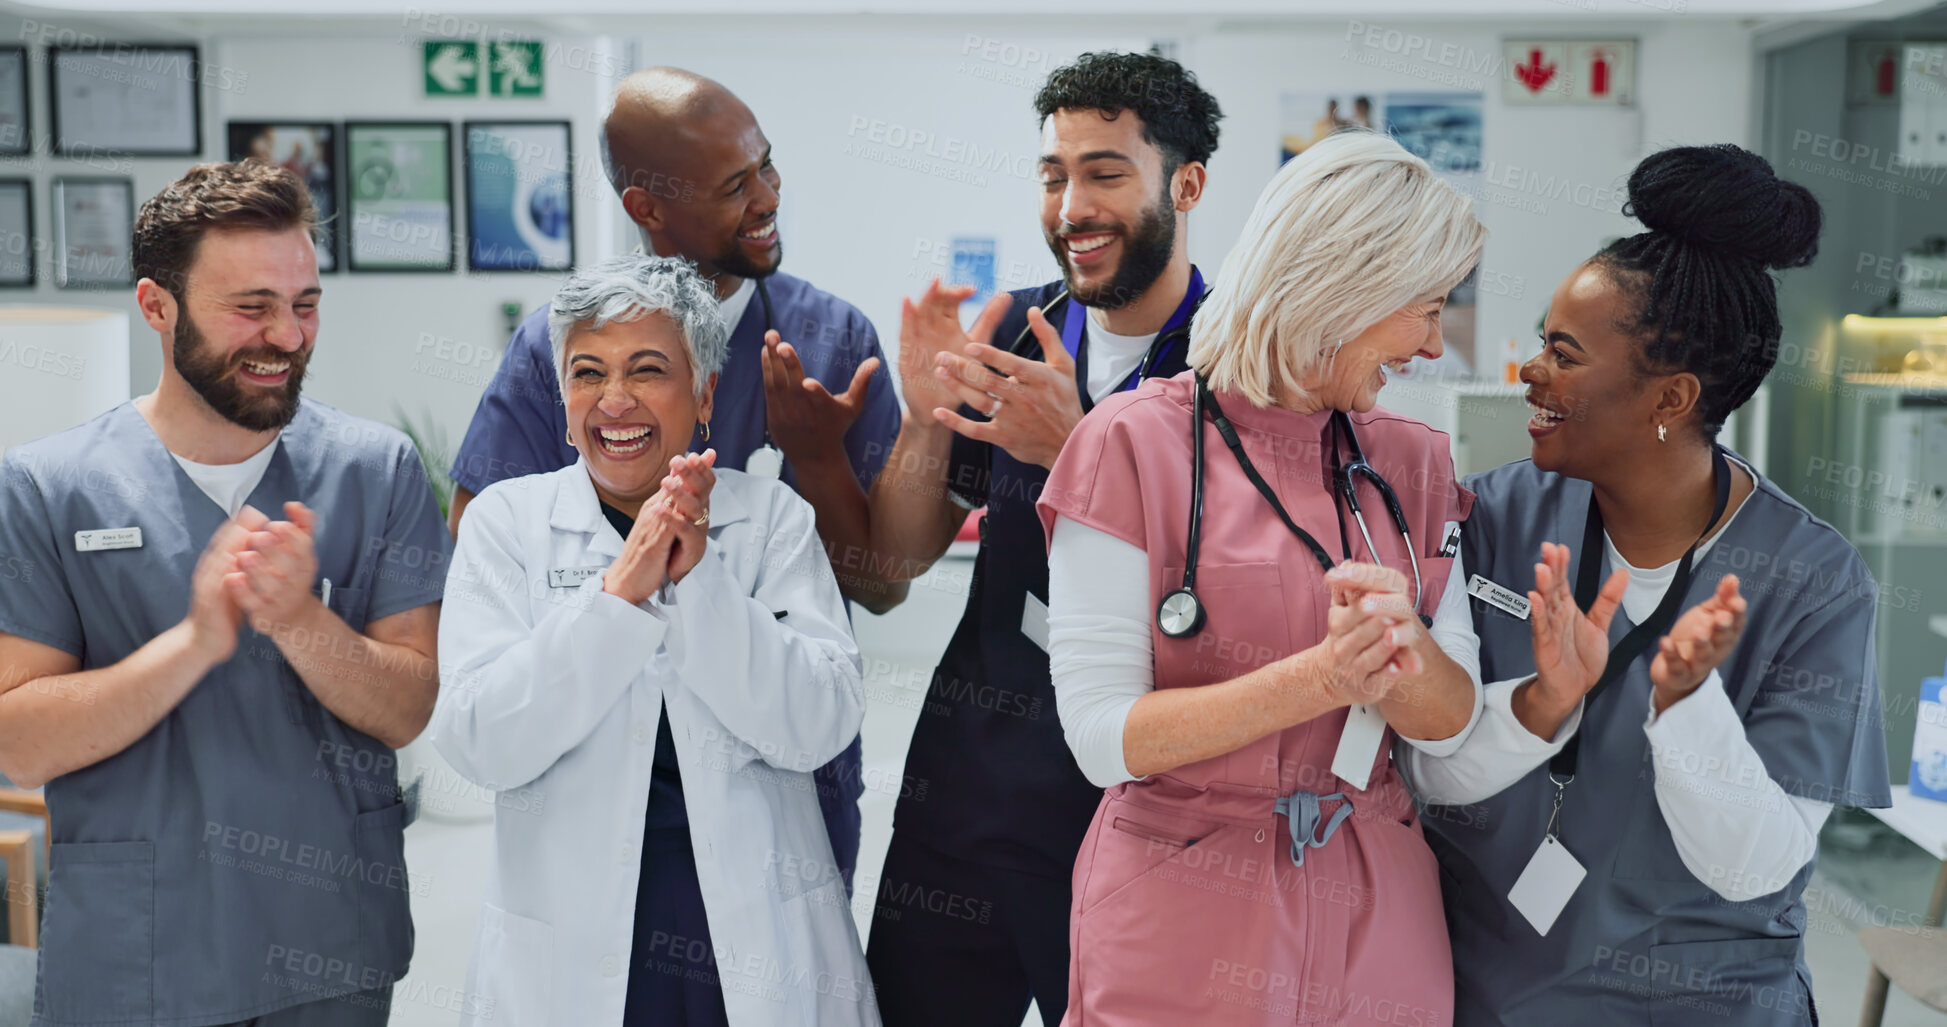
1181,614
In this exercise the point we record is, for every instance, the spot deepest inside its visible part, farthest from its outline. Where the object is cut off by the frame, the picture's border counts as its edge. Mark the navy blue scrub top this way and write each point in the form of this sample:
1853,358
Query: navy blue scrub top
1002,786
521,427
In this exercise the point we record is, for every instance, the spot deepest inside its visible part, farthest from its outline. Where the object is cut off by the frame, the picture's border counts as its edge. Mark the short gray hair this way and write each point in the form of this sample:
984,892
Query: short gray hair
632,287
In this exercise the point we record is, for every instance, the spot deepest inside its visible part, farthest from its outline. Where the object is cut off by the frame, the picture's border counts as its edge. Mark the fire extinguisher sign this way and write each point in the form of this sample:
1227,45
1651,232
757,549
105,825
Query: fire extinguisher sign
1565,71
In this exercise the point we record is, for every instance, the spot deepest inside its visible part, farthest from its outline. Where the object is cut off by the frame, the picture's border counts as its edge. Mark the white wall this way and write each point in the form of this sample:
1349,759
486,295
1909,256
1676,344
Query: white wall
895,135
422,343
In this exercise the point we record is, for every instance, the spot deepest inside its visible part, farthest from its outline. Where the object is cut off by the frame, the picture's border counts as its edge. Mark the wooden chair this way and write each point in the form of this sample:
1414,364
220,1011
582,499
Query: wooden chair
23,877
1914,959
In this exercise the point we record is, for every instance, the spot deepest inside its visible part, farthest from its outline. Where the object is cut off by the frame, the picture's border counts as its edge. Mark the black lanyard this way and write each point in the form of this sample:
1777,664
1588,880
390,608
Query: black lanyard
1074,320
1229,432
770,322
1588,577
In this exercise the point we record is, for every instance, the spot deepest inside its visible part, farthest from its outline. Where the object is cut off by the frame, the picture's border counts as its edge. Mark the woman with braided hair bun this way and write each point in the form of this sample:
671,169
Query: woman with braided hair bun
1676,657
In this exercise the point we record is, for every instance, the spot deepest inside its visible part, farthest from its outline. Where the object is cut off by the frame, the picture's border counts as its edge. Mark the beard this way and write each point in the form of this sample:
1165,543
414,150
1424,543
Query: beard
1146,254
735,261
213,376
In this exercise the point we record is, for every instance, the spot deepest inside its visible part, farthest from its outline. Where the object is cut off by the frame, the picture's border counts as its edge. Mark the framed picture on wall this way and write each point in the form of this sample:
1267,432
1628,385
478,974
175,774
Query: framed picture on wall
519,196
94,220
135,98
310,150
16,233
16,138
399,189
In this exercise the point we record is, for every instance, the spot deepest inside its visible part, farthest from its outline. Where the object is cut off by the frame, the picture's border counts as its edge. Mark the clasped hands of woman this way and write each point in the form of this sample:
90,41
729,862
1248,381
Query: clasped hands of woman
670,532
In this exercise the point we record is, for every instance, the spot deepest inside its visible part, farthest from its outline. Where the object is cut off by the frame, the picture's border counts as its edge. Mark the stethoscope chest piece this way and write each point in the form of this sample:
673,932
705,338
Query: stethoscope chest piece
1179,615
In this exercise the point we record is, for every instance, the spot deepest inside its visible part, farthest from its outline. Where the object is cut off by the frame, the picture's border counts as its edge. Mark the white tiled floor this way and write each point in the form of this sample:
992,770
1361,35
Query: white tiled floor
448,859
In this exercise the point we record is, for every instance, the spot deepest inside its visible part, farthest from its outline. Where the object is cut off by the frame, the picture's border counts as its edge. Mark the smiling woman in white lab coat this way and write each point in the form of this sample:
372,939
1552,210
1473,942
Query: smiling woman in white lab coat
646,658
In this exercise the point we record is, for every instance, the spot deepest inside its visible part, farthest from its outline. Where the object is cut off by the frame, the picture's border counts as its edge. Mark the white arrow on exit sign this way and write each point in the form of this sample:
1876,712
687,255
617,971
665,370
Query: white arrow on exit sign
453,68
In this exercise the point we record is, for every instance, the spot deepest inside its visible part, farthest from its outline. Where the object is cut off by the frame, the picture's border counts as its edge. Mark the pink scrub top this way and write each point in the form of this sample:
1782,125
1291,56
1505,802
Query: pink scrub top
1188,906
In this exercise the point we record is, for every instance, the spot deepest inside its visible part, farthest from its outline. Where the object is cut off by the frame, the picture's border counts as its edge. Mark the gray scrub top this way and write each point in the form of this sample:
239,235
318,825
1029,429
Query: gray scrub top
246,854
1643,941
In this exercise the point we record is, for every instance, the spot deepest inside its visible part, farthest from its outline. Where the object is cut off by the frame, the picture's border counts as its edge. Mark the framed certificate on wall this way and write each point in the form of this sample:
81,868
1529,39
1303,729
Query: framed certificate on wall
16,233
132,98
16,138
94,226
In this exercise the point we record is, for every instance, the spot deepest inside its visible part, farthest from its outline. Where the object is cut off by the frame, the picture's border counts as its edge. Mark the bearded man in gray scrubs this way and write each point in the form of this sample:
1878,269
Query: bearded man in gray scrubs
221,626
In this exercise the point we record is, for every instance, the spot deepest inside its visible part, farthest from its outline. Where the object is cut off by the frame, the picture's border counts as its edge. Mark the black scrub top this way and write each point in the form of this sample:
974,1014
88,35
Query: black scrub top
1000,784
666,810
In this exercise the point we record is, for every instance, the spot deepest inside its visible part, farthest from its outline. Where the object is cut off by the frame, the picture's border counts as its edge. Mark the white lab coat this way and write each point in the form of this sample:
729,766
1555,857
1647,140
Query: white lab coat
550,693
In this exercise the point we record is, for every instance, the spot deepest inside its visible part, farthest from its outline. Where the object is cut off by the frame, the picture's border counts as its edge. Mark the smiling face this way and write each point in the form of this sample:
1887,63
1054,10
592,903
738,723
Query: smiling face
632,404
719,204
1107,208
1591,403
247,321
1351,380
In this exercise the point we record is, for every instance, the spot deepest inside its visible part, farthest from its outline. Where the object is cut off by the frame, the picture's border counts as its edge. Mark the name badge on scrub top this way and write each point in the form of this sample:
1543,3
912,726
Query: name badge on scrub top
107,538
1544,888
765,462
1365,728
572,577
1506,599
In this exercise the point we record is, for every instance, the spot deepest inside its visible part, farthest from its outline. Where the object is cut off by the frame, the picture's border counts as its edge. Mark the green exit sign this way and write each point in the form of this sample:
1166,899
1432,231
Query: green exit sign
452,68
514,68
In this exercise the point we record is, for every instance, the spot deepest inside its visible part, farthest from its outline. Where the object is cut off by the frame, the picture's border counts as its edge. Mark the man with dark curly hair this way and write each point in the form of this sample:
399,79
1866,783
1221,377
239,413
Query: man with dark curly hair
972,917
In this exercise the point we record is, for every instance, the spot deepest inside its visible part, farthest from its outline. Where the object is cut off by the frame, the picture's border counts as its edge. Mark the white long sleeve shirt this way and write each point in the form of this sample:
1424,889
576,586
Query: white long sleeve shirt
1737,830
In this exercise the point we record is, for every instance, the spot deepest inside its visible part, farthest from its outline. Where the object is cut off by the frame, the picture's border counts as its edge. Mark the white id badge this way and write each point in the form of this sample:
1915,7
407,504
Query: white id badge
765,462
1365,728
571,577
1545,887
107,538
1034,621
1506,599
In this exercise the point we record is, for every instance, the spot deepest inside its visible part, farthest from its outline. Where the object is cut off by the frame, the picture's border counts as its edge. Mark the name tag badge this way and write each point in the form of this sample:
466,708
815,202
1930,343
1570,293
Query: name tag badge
107,538
1504,599
1450,539
571,577
765,462
1543,890
1034,620
1365,728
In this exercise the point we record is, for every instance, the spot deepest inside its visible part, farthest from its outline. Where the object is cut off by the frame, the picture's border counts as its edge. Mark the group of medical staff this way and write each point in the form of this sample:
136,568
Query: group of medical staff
1257,714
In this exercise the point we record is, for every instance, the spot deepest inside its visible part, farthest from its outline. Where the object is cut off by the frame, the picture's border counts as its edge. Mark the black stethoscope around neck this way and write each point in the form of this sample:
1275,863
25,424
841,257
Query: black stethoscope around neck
1180,614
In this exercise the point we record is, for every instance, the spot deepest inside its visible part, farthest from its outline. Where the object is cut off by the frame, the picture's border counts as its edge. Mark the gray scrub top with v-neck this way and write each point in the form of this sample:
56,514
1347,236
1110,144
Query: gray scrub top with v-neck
1643,940
246,854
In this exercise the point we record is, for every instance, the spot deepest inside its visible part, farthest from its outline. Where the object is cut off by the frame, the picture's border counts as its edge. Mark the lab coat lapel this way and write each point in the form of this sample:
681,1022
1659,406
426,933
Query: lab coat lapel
578,511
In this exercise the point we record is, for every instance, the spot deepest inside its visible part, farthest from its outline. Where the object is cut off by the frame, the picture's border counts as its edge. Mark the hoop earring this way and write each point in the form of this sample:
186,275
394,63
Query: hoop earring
571,438
706,431
1661,434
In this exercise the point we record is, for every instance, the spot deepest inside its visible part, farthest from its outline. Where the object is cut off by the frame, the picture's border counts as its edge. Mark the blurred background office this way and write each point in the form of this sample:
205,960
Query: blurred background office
455,145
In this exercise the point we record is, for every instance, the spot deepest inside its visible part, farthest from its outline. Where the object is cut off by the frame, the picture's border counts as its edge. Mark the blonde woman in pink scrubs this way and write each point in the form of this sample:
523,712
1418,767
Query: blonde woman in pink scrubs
1256,858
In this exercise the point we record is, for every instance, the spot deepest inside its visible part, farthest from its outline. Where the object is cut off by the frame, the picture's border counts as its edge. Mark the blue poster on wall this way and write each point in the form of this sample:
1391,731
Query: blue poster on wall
973,264
520,196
